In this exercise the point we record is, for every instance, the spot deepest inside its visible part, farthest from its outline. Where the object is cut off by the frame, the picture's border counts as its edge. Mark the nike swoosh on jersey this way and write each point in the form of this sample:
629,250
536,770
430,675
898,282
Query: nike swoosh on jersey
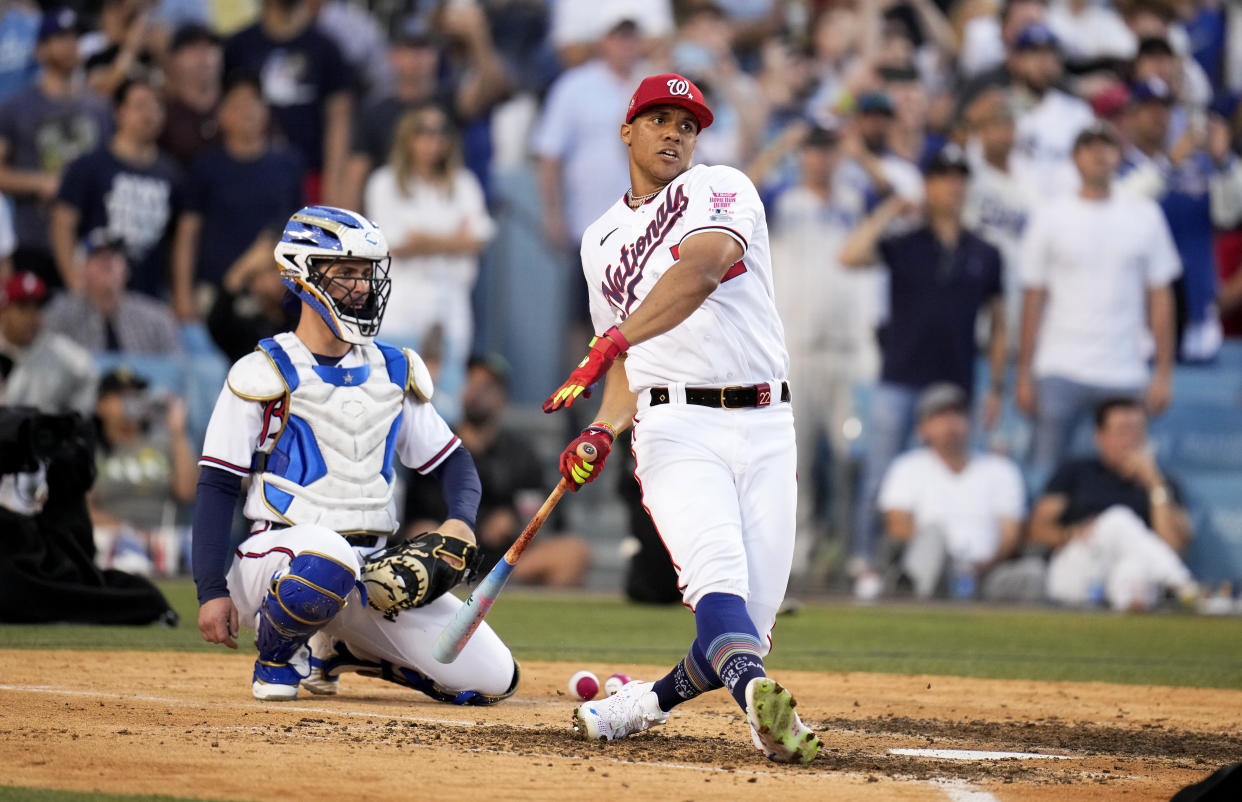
609,234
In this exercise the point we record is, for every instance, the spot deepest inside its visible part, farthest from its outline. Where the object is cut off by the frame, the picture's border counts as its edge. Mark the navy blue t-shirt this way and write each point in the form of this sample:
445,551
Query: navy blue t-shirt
237,200
934,299
297,77
138,202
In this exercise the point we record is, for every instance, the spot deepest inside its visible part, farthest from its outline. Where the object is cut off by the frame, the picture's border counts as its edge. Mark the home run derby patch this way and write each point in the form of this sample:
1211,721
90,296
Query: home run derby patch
722,205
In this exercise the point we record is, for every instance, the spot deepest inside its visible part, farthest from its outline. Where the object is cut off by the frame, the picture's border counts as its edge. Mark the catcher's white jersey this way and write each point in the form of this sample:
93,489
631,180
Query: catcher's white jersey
327,444
735,336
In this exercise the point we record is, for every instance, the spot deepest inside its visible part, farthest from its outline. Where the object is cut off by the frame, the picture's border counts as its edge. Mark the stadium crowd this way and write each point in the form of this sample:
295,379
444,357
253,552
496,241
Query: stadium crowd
1006,236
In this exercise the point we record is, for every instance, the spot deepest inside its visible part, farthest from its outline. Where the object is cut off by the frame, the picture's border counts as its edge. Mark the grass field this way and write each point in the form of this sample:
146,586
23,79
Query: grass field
1182,650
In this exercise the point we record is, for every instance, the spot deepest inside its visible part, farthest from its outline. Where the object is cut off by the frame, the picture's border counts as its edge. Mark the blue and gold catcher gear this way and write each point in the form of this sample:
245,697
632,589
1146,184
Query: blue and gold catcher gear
314,239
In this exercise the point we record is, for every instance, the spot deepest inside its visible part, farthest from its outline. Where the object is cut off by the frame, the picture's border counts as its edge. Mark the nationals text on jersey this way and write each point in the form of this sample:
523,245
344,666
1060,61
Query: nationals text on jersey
619,282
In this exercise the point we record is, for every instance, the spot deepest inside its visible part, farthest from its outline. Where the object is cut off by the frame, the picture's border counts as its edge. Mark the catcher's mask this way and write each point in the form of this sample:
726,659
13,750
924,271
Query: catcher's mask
350,300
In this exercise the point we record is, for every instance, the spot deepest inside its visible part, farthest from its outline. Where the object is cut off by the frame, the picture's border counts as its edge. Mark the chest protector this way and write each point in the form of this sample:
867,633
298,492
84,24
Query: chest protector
331,463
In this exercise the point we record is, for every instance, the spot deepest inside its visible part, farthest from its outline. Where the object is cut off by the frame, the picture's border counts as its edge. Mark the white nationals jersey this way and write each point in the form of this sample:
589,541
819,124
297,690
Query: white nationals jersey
735,336
319,440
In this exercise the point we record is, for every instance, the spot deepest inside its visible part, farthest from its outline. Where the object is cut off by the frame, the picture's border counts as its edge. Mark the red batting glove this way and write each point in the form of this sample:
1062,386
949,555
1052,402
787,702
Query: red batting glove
604,349
578,471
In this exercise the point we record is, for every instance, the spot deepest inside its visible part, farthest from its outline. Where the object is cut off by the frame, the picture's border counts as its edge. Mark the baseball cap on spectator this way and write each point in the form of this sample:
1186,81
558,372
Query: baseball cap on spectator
904,74
57,21
941,397
1154,46
875,103
1036,36
120,379
948,159
618,19
669,89
1109,100
1151,89
101,239
493,363
819,137
1098,131
192,33
23,287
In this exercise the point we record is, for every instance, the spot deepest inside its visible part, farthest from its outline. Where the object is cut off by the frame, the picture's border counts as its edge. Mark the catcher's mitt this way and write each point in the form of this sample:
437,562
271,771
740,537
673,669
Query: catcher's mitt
417,571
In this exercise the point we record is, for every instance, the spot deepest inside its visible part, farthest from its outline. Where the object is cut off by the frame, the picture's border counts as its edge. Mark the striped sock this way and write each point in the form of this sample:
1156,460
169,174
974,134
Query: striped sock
691,677
735,658
730,641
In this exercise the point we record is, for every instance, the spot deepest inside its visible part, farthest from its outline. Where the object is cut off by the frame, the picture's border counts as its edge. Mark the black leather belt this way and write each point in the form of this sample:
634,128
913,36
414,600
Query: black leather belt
363,541
735,396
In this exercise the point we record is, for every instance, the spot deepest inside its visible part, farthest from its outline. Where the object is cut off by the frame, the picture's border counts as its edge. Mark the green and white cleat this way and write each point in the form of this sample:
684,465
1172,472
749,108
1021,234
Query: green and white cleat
775,726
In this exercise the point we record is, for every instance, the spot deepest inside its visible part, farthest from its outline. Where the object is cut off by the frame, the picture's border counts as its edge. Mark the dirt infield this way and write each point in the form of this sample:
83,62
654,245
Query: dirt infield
185,725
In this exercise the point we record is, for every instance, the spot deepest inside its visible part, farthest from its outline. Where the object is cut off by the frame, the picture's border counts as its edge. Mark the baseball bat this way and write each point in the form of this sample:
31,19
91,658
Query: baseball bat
468,617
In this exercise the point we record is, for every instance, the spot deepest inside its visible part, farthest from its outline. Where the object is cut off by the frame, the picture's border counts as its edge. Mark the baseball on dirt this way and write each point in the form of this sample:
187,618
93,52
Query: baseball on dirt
584,685
615,683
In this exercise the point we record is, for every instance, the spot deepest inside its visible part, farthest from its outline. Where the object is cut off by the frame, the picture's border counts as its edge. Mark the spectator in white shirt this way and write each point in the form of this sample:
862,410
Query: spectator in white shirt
1047,118
583,167
1096,268
958,512
1000,196
433,213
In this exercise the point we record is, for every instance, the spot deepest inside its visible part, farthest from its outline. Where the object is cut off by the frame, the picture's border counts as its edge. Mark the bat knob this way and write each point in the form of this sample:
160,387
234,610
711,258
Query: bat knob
587,452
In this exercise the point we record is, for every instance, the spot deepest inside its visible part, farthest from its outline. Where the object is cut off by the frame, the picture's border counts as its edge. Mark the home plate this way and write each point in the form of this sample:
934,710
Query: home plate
977,754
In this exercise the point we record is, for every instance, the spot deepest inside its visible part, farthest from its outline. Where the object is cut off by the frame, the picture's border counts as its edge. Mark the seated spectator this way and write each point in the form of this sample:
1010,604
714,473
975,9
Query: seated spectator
39,368
192,90
513,487
129,187
249,303
107,317
145,466
1115,522
958,512
234,192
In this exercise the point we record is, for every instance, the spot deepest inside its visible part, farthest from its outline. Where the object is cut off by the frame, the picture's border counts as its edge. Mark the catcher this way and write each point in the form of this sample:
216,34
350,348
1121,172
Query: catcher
315,418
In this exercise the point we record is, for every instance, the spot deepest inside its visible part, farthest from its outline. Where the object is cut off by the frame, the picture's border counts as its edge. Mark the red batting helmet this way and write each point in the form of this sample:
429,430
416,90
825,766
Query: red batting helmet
669,89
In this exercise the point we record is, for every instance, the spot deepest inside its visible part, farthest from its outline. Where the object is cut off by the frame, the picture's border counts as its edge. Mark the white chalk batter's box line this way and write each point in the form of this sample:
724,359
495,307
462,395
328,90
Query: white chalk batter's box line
954,789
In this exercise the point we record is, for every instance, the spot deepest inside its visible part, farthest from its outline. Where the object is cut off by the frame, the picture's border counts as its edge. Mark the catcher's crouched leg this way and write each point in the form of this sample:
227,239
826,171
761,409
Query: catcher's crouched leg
301,600
342,659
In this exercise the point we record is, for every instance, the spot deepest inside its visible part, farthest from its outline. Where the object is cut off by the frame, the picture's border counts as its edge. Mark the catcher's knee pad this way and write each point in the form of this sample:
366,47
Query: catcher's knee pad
300,601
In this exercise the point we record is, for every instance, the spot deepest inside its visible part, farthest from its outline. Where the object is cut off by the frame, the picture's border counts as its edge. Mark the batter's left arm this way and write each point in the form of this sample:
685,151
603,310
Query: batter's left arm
705,258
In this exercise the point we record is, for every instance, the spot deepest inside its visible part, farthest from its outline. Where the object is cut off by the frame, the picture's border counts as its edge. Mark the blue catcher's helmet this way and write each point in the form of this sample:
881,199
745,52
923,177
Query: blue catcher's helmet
315,239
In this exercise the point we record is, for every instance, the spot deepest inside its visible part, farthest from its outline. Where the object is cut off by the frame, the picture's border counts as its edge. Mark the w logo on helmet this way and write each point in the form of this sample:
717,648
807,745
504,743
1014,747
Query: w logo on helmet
679,86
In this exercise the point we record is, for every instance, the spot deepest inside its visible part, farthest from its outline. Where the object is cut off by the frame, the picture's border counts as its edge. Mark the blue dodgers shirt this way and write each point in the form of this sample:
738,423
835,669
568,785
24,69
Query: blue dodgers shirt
935,294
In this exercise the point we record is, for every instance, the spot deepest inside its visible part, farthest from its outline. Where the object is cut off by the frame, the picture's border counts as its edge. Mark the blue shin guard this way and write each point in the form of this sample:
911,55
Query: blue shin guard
300,602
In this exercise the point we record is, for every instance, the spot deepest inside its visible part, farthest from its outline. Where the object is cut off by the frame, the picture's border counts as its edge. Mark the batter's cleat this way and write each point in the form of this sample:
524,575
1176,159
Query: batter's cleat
632,709
775,726
322,651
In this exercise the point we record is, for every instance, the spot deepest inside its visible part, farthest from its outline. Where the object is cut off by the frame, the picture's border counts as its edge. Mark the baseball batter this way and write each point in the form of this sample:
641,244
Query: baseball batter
692,352
314,418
